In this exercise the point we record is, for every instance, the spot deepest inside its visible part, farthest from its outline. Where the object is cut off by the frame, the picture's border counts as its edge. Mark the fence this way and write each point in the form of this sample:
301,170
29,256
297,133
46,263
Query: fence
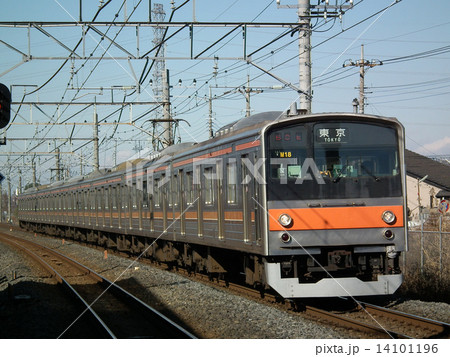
426,265
428,251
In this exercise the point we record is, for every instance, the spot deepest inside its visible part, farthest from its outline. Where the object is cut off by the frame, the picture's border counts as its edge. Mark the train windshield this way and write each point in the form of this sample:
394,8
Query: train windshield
331,160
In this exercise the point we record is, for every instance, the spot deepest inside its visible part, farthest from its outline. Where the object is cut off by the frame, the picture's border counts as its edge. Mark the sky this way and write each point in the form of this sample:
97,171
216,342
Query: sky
409,37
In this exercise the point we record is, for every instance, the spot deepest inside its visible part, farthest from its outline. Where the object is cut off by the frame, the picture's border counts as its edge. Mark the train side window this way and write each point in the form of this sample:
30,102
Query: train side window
92,199
134,196
124,197
106,198
209,186
145,194
85,199
231,182
79,200
173,198
100,196
114,197
156,192
189,189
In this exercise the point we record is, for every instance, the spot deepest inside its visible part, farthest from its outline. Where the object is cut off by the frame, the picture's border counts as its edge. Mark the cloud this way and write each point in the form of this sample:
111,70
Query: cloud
438,147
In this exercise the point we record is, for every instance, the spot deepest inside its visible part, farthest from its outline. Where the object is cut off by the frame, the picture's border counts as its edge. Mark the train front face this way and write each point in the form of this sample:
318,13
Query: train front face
335,193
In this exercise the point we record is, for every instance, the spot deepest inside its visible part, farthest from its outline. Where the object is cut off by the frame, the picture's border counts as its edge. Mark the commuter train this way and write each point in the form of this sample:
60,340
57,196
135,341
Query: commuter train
306,205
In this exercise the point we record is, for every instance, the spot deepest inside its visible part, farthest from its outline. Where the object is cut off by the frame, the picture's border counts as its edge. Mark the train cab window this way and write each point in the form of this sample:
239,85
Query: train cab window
209,186
333,160
231,182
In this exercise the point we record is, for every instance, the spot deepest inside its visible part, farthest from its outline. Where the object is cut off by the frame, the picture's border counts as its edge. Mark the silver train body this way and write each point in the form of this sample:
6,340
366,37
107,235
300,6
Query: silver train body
309,206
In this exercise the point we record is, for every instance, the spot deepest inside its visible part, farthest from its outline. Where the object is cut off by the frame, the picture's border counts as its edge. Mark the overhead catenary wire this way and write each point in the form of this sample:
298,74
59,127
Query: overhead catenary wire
326,78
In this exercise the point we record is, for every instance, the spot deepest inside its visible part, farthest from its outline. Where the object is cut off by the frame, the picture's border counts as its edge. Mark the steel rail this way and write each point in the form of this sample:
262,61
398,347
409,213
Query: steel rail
176,330
437,327
60,279
354,324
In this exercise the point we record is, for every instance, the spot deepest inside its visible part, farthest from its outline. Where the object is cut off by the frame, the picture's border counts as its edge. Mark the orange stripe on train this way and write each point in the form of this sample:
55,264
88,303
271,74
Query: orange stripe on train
335,218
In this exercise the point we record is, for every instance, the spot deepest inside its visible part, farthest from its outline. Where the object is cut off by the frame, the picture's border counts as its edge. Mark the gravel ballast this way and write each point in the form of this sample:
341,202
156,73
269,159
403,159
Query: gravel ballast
210,312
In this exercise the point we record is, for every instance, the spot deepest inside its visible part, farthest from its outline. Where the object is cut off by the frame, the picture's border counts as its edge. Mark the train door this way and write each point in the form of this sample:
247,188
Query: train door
106,213
174,205
77,206
142,200
85,207
151,201
98,206
199,200
164,189
182,202
119,205
128,201
219,198
248,196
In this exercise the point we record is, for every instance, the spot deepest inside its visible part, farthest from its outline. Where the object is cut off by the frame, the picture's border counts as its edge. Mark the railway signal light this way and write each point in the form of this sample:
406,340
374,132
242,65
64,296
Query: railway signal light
5,105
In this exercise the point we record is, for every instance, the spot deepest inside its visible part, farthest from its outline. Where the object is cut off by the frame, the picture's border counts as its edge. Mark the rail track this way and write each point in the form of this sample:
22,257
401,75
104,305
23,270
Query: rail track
370,320
116,312
379,322
367,320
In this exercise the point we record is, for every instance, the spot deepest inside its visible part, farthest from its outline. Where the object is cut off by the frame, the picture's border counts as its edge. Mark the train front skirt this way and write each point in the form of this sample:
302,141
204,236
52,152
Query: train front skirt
330,287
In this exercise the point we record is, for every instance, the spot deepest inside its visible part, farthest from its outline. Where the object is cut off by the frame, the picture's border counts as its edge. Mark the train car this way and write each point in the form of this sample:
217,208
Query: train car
306,205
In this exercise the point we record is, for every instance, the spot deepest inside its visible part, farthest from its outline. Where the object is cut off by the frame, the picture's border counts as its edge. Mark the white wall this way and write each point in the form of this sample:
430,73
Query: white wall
426,190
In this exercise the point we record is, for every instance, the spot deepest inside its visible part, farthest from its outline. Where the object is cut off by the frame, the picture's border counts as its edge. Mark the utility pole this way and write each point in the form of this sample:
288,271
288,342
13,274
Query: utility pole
58,164
33,168
210,120
304,46
1,203
81,163
306,11
20,181
159,80
96,153
246,92
362,63
167,120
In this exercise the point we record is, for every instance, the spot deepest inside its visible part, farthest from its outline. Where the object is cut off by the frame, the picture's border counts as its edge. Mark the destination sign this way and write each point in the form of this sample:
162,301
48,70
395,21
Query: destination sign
332,135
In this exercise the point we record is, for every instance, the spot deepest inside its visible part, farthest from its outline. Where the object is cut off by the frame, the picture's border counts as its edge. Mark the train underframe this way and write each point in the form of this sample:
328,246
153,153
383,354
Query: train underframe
336,271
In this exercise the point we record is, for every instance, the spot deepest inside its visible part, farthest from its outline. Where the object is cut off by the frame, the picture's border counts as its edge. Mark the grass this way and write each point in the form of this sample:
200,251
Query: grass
429,281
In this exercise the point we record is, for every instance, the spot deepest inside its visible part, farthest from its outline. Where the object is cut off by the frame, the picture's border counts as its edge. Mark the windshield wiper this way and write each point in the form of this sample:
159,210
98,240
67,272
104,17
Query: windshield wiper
338,177
377,179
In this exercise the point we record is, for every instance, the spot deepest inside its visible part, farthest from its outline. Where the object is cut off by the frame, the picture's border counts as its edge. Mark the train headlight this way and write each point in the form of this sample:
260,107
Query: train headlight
388,217
285,220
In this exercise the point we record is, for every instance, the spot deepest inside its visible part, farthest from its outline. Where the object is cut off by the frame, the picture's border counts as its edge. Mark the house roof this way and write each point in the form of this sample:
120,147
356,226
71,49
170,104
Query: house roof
419,166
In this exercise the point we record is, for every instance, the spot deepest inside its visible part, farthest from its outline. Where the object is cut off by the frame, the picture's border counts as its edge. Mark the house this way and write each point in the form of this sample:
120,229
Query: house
427,183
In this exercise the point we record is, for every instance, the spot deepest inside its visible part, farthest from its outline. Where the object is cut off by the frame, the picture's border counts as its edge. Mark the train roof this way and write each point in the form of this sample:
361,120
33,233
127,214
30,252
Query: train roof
244,127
